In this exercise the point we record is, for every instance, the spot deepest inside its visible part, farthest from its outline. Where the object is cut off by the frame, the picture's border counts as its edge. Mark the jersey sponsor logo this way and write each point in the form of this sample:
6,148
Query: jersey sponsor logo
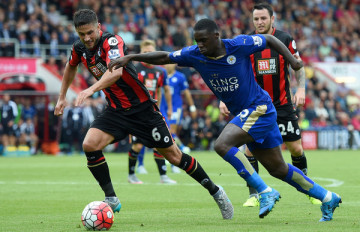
224,84
113,41
231,59
177,53
267,66
150,84
257,40
98,70
113,54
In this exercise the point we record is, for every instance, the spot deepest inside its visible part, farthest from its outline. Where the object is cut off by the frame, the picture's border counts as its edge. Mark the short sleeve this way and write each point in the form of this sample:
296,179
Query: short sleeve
249,44
181,57
74,58
114,48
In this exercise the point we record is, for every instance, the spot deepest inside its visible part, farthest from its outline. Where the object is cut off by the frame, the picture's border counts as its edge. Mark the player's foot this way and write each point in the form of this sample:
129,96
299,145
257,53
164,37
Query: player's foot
132,179
314,201
141,170
252,201
267,202
114,203
224,203
175,169
164,179
329,207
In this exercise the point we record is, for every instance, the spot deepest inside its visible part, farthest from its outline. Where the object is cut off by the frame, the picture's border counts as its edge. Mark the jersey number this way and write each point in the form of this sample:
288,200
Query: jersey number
284,130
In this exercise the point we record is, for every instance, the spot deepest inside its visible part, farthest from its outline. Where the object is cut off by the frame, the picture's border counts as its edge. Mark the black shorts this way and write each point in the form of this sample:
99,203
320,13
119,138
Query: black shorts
147,125
288,125
7,130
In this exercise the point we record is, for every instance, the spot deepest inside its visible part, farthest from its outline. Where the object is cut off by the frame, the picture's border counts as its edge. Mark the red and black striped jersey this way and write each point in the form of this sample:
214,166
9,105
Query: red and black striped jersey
152,77
126,93
271,71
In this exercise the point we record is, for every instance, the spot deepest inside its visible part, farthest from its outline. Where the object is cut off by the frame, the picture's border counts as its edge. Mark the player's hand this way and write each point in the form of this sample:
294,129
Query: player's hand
223,109
298,64
299,97
82,96
59,108
118,63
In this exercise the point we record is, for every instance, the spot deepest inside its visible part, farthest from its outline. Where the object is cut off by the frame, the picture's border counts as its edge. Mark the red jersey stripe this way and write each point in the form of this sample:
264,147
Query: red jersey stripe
282,97
136,87
191,165
267,79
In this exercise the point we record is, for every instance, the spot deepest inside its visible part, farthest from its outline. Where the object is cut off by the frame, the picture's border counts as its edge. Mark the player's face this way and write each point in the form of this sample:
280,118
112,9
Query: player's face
148,48
208,42
262,21
89,34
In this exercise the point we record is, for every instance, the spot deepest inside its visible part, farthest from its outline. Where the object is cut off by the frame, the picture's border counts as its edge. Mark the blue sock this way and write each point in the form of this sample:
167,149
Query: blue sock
244,169
304,184
141,156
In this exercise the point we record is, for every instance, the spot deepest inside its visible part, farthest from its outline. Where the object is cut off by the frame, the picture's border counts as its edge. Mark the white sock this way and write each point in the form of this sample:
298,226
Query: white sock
328,197
268,189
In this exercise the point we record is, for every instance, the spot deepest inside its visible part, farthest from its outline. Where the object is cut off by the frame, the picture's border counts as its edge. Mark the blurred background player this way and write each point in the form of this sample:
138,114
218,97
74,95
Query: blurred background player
154,78
178,85
8,113
271,71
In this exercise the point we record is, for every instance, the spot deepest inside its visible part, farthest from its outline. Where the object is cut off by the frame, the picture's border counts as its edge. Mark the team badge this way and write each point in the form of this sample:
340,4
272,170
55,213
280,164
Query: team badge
231,59
113,41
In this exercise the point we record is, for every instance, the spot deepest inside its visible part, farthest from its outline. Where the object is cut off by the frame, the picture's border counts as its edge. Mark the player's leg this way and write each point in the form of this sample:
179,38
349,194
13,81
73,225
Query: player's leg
161,165
183,148
93,144
141,166
226,146
153,131
133,156
253,199
272,160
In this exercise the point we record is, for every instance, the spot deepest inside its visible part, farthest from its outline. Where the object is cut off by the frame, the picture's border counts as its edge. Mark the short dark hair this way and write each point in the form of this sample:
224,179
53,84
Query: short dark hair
206,24
264,5
84,17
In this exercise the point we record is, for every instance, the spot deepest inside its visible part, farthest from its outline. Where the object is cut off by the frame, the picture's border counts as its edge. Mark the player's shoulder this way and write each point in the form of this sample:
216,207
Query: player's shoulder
78,46
282,35
110,38
179,74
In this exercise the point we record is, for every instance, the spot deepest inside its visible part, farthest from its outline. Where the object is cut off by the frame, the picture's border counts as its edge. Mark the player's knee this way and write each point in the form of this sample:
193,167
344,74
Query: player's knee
296,150
89,146
221,148
279,172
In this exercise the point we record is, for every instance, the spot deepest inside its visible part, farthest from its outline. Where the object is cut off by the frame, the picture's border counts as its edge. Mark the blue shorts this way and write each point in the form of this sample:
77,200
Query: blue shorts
176,116
259,121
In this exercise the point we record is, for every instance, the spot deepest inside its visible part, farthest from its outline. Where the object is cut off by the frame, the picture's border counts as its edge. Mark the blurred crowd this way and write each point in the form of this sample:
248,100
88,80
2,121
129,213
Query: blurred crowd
325,30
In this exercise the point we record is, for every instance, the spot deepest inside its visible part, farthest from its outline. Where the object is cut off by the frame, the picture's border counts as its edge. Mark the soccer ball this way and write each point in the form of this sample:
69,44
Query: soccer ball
97,215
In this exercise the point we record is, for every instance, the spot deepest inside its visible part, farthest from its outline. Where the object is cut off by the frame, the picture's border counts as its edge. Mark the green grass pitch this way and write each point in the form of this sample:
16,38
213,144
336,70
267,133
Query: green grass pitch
46,193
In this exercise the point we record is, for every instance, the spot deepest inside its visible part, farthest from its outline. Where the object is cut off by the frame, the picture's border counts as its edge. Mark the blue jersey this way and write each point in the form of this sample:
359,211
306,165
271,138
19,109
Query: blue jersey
231,77
177,83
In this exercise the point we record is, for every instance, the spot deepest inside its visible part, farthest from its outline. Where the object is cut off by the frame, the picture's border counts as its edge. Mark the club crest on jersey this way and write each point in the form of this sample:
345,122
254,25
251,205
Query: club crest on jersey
231,59
114,54
267,66
113,41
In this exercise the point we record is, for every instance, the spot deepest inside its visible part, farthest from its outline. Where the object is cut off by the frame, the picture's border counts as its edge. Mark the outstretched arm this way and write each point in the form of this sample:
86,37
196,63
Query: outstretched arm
295,62
299,97
156,58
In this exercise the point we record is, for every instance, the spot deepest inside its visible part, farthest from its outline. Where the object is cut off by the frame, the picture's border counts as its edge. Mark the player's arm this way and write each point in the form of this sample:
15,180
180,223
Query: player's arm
69,75
299,97
157,58
274,43
167,93
190,101
107,79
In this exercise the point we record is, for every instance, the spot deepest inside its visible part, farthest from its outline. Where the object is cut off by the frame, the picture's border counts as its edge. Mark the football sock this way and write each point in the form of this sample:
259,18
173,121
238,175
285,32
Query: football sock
190,165
98,167
133,156
300,162
244,169
141,156
160,162
253,161
296,178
